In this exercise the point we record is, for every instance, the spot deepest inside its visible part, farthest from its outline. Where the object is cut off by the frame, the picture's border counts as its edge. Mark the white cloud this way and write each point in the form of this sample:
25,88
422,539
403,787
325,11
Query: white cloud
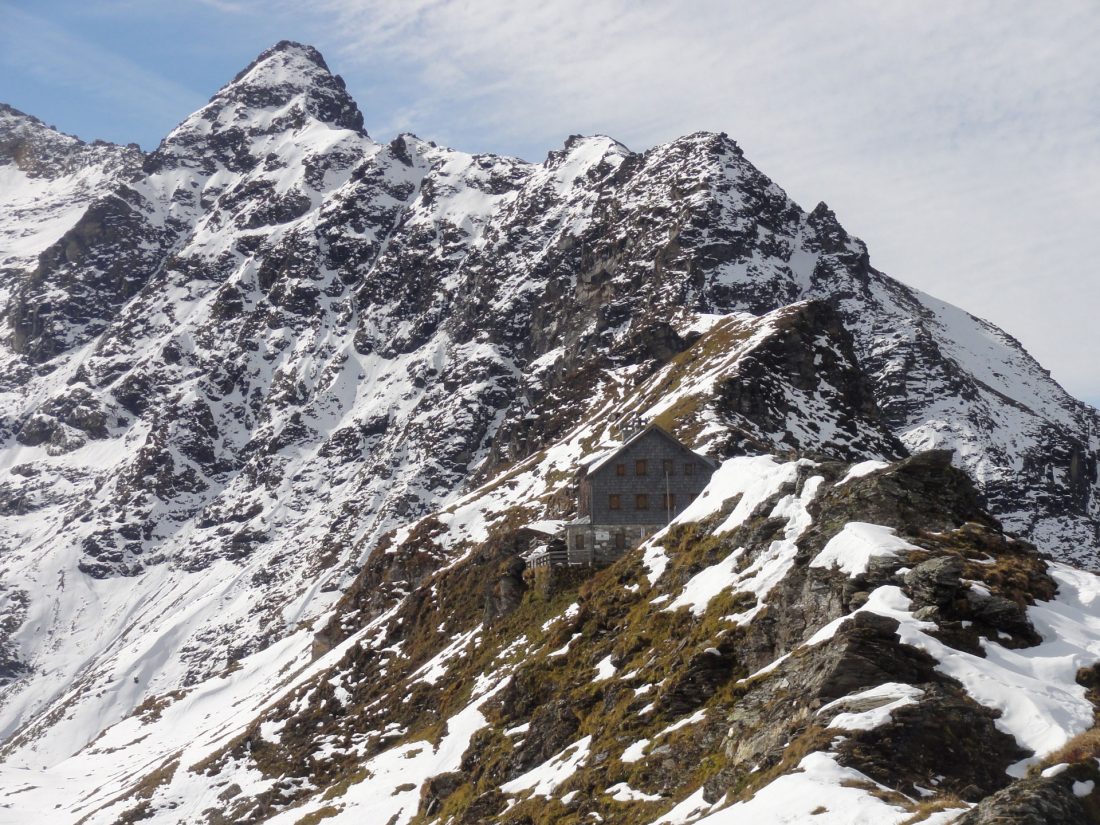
224,6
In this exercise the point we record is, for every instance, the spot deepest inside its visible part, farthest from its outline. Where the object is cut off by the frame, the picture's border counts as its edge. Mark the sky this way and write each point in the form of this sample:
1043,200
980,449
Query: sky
960,140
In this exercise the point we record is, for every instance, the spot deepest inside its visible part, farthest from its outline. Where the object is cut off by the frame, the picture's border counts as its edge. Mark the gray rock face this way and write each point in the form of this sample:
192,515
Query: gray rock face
945,735
1038,801
936,582
41,152
805,391
504,595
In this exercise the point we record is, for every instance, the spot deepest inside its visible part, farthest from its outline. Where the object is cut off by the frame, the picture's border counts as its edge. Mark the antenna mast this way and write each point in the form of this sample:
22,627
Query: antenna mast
668,498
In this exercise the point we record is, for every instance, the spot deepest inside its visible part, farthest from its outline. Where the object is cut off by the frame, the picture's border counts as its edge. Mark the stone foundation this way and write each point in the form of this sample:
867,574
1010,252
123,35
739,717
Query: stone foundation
598,545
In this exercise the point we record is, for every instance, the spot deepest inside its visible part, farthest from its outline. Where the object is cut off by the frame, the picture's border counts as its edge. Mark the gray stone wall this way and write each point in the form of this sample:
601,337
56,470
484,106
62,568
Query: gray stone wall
601,544
655,448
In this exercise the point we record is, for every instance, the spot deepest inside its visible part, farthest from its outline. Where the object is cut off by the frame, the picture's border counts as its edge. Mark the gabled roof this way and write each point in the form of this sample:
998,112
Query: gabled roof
659,430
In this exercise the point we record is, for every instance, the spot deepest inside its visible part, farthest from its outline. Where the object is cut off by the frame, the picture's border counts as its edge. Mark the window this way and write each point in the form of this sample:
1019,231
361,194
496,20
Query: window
614,502
639,467
620,541
669,501
689,469
620,469
641,501
668,466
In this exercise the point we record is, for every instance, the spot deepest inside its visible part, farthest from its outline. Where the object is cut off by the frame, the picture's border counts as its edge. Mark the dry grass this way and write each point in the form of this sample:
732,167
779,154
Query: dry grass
925,809
890,797
319,815
1081,747
143,792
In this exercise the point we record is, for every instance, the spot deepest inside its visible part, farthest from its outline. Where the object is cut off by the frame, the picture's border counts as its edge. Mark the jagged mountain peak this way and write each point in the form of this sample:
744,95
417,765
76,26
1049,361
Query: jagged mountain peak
703,144
285,52
284,90
599,142
12,119
290,73
42,151
584,156
46,178
25,141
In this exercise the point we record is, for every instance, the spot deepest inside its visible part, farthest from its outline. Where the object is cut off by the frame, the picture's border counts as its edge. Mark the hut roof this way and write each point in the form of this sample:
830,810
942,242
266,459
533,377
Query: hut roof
603,461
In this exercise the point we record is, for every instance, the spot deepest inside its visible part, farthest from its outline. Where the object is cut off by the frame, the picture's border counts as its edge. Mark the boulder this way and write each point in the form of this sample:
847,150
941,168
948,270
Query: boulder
1041,801
936,582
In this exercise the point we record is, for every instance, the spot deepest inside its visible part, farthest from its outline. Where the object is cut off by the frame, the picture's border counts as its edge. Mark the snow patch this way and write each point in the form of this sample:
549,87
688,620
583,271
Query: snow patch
852,549
863,468
604,669
635,752
821,792
543,779
622,792
888,698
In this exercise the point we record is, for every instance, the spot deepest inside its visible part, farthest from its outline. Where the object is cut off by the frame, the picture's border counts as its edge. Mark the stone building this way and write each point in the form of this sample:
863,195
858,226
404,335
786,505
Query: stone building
632,493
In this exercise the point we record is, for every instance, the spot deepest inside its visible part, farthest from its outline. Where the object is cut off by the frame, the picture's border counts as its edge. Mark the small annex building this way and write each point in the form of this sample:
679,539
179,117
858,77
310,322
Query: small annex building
544,542
632,493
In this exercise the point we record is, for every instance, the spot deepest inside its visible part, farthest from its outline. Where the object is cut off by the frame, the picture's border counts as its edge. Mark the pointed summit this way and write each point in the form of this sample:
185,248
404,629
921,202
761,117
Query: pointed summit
282,90
292,72
286,74
286,50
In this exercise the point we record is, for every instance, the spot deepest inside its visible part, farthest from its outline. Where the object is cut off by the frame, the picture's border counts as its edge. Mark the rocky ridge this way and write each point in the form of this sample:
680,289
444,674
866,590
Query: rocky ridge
256,365
47,179
852,643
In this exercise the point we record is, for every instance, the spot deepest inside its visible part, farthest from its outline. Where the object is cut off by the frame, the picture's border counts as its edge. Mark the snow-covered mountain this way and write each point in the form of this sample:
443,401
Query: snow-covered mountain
47,181
260,386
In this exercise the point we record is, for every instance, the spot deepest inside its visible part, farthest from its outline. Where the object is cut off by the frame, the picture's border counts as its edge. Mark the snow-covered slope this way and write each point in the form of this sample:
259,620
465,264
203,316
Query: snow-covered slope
240,370
47,181
772,655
